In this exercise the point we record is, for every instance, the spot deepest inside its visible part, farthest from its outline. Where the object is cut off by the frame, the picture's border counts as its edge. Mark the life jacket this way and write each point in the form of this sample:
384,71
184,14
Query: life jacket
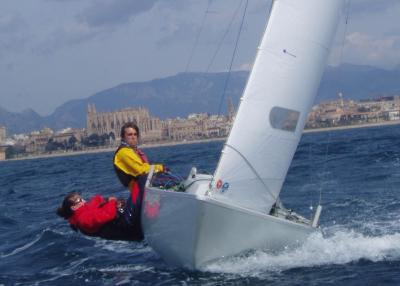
123,177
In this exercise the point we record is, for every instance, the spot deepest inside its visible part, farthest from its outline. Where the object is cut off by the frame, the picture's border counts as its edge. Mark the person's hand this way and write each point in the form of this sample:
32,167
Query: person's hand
121,203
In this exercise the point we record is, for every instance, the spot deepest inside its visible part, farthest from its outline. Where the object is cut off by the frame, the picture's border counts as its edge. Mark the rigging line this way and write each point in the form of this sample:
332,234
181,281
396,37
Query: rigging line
198,36
310,159
340,60
324,165
254,170
223,37
233,58
345,29
347,11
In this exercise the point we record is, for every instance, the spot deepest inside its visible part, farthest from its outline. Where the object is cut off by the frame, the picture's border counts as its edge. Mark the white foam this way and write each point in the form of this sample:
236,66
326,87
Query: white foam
128,274
342,247
128,268
122,246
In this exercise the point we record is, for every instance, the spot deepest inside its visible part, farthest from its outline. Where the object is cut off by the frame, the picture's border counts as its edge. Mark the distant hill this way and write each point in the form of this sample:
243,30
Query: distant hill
22,122
172,96
358,82
186,93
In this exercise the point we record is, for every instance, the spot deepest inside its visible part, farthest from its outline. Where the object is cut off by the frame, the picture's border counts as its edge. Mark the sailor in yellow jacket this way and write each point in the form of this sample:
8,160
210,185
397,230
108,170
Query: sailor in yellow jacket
129,161
132,167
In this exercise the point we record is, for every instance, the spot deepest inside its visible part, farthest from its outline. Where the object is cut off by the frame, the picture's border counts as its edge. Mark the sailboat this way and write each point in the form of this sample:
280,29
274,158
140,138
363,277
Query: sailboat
238,207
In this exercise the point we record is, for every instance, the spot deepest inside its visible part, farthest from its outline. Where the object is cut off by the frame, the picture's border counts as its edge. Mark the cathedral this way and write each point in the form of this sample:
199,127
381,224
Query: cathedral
111,122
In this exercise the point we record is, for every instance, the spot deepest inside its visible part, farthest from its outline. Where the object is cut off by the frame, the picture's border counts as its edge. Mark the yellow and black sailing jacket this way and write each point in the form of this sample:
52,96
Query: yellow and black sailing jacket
129,165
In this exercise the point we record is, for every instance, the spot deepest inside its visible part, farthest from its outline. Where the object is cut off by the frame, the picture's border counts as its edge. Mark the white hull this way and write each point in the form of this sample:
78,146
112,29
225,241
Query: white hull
189,230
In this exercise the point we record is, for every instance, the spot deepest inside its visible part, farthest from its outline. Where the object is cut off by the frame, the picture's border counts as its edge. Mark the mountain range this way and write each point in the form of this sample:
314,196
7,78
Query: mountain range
186,93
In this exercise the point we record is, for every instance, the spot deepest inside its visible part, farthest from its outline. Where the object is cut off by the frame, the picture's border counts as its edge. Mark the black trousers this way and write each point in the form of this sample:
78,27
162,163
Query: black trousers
127,225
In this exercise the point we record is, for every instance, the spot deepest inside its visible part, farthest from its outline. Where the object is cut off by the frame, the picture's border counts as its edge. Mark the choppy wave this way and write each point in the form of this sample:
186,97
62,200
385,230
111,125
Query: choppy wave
21,248
122,246
344,246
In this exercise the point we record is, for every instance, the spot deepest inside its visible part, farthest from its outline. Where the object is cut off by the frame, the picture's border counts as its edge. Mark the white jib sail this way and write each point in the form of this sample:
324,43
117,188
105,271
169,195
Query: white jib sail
278,96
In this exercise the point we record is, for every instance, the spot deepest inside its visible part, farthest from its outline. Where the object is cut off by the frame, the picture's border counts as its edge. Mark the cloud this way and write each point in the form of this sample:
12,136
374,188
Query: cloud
9,24
100,18
180,20
13,33
184,25
65,36
368,49
372,6
108,12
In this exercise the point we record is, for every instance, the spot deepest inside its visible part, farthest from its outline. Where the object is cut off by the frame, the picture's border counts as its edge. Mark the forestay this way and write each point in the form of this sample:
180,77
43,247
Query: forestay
278,96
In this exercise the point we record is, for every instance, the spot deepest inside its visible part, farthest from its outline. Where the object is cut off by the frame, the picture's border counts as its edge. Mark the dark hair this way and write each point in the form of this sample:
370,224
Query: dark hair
129,125
65,210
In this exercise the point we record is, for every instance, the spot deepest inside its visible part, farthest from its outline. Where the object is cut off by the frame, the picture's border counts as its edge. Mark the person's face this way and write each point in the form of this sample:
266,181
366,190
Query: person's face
131,136
77,202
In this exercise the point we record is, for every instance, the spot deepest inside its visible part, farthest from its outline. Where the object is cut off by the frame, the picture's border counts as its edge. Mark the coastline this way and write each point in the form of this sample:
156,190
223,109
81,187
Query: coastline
356,126
112,149
176,143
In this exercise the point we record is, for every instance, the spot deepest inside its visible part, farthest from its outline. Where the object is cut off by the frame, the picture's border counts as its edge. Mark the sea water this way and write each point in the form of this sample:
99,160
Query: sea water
354,174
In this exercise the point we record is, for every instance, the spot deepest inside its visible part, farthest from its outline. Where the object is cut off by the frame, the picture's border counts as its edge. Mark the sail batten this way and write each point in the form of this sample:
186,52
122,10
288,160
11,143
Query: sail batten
279,93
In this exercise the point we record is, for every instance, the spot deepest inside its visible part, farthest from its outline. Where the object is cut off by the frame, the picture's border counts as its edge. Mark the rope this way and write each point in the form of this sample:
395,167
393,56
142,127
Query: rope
345,29
347,10
254,171
223,37
198,36
233,58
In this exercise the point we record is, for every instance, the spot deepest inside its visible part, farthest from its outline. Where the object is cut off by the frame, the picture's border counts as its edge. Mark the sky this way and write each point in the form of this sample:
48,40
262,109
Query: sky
52,51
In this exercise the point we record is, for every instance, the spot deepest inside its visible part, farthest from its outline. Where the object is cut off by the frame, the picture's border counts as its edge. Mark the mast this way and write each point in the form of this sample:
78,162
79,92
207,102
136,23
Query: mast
278,96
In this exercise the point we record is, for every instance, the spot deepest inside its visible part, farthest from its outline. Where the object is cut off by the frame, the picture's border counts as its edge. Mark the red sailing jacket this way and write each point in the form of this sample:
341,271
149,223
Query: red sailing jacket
90,217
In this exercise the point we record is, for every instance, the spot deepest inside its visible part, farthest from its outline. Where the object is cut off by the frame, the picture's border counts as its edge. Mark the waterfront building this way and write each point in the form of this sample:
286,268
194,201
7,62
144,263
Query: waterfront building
185,128
348,112
2,152
66,134
197,126
3,134
38,140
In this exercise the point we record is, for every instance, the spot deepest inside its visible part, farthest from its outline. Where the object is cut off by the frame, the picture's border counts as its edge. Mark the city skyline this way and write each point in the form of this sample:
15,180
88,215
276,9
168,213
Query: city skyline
54,51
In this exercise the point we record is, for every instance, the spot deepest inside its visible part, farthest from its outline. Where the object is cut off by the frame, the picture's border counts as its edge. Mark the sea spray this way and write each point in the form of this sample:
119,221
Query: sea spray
344,246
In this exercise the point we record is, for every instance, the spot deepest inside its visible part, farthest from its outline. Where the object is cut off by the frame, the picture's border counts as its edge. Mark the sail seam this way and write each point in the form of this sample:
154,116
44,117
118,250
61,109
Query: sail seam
253,170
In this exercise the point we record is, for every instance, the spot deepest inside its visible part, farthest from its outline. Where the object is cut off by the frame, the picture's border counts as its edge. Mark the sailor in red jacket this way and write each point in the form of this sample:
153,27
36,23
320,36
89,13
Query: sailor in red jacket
91,216
98,217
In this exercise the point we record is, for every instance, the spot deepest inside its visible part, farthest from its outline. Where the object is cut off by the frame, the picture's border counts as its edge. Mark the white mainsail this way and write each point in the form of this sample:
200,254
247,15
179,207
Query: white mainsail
278,96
